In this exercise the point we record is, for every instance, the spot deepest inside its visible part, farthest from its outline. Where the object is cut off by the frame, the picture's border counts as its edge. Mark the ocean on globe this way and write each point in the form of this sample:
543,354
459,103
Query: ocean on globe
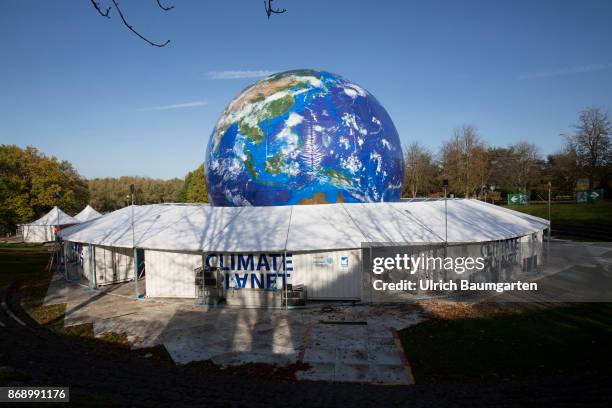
304,137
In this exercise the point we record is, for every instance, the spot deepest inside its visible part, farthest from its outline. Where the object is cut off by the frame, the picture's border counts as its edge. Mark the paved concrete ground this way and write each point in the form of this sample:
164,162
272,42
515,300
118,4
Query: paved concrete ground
341,343
574,272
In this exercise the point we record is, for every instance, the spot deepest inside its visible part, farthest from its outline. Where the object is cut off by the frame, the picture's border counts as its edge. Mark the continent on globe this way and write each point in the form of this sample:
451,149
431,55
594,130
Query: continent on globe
304,137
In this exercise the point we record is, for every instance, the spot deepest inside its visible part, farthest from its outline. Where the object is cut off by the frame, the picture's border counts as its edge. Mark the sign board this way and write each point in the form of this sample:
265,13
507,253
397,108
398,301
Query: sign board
322,261
344,261
582,184
266,271
589,196
518,199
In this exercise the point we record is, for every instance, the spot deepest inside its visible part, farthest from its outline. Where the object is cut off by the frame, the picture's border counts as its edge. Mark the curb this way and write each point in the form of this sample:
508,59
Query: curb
403,358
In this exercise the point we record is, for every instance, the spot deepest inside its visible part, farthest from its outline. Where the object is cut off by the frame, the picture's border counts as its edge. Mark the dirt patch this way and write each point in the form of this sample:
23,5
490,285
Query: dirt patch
451,309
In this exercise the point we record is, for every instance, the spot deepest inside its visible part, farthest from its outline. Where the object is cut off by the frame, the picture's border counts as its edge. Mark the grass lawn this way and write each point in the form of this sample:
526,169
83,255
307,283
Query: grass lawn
25,265
564,340
21,262
571,214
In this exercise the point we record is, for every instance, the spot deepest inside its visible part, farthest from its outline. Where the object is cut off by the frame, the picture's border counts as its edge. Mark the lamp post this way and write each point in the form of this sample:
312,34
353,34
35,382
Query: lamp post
61,262
549,222
445,185
135,252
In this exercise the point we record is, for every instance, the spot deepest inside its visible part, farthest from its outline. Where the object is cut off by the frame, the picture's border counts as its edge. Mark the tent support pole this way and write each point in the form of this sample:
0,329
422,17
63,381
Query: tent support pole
369,274
285,259
286,279
92,272
136,273
62,255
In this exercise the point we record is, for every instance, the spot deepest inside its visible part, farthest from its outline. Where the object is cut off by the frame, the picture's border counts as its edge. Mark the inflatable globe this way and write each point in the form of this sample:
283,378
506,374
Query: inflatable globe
304,137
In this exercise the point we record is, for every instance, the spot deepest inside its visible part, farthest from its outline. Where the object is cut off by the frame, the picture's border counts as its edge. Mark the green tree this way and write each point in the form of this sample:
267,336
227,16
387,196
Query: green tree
110,194
194,189
29,182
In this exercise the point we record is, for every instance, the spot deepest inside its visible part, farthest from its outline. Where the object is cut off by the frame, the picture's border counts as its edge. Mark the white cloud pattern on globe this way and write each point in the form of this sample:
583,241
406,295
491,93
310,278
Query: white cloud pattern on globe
304,137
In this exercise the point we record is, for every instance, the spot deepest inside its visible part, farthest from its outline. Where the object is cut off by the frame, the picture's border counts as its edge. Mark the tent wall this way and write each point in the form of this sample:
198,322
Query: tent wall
77,260
113,265
38,233
325,274
86,270
171,274
329,275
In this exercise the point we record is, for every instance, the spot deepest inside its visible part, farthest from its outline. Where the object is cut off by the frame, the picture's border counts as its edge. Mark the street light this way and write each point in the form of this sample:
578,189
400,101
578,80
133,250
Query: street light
61,261
445,185
549,223
134,250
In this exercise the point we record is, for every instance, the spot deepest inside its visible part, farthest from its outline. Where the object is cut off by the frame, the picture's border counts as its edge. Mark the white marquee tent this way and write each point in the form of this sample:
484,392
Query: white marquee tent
193,227
323,241
41,230
88,213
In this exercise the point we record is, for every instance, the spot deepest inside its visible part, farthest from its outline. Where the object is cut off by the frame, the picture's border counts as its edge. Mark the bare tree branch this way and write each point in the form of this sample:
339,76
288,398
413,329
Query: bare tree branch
271,10
161,6
134,31
97,7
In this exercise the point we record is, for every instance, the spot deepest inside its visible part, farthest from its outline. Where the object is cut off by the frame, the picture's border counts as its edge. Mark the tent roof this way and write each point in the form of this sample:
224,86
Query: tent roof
87,214
199,227
51,218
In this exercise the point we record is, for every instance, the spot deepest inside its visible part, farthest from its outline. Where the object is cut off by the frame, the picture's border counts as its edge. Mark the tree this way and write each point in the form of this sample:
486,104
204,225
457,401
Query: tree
524,166
500,177
29,182
420,170
105,10
108,9
562,171
591,142
194,188
109,194
464,161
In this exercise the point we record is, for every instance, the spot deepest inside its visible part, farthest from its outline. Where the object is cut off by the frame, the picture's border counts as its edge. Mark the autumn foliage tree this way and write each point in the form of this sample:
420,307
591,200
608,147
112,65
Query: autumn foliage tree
29,185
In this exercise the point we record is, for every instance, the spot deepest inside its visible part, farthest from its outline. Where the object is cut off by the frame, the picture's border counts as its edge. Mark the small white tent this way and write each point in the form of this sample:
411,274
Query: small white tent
41,230
88,213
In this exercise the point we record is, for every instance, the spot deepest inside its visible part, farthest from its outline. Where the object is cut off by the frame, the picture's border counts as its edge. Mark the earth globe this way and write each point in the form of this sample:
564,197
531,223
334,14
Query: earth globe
303,137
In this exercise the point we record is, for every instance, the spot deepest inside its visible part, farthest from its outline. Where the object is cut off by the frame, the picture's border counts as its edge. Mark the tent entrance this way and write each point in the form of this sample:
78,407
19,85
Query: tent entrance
113,265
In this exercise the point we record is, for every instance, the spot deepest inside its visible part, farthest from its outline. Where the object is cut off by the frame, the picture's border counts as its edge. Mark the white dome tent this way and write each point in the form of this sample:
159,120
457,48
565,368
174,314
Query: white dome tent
87,213
42,230
322,242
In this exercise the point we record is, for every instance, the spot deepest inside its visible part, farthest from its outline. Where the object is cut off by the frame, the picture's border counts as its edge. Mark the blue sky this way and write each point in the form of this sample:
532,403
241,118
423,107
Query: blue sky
84,88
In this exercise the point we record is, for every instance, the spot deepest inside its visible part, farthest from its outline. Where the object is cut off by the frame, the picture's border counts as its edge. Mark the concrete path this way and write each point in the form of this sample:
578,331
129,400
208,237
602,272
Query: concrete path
340,343
354,353
363,352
